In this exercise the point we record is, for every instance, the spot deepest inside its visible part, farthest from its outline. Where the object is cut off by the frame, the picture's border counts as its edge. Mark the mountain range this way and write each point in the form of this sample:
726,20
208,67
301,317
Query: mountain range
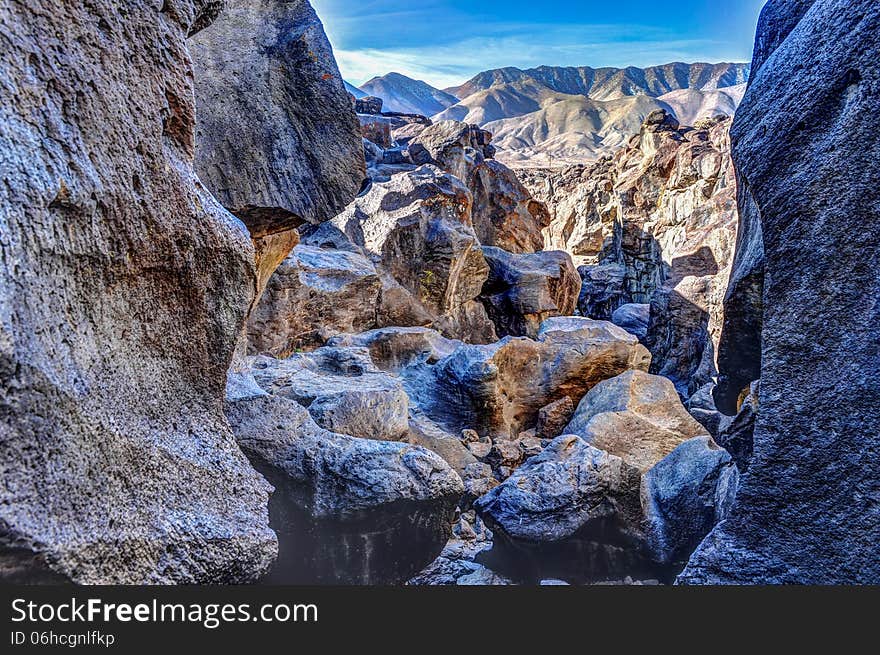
568,114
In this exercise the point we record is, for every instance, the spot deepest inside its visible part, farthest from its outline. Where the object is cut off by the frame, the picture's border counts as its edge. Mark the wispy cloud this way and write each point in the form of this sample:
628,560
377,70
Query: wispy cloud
443,45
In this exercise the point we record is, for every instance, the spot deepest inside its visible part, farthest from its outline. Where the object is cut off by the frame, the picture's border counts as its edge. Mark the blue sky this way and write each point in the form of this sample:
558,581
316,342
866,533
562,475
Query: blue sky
445,42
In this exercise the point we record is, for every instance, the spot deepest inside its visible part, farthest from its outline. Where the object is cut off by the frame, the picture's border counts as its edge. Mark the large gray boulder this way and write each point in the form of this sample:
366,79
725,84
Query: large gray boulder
342,389
585,515
500,389
346,510
525,290
807,147
123,287
277,139
417,229
315,294
505,214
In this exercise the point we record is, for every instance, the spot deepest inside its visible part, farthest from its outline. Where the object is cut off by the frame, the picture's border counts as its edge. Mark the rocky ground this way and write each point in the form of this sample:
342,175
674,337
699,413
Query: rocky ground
255,330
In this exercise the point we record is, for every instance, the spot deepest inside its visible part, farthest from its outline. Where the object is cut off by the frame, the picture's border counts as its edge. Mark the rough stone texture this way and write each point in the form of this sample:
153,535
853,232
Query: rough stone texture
505,214
685,495
123,287
585,514
500,388
664,209
634,318
417,227
737,435
315,294
553,418
523,291
808,509
346,510
342,389
636,416
277,139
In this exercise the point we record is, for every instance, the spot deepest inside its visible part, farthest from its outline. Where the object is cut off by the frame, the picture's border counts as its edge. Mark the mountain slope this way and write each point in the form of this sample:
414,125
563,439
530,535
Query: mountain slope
571,114
403,94
613,83
353,90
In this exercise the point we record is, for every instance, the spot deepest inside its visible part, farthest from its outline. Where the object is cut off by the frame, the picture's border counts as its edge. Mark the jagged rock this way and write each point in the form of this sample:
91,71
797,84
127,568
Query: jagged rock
522,291
500,388
634,318
654,224
553,418
266,114
505,214
368,105
601,291
584,514
809,502
346,510
377,130
417,228
342,389
394,349
701,406
737,435
123,286
315,294
633,483
636,416
685,495
424,432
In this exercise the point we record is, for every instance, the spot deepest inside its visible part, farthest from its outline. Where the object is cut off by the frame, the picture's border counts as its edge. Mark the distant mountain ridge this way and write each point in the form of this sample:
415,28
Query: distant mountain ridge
569,114
406,95
613,83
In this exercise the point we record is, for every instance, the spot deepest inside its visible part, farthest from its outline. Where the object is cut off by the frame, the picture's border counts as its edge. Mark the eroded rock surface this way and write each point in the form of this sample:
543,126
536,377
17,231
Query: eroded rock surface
123,287
346,510
522,291
808,503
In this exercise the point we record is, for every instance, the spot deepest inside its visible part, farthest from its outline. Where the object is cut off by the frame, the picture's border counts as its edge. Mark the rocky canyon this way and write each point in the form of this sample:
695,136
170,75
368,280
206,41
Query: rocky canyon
552,326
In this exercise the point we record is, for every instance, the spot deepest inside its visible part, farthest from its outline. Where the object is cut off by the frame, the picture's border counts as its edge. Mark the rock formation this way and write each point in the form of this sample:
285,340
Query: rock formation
633,486
123,288
655,225
346,510
417,228
504,214
807,511
522,291
277,140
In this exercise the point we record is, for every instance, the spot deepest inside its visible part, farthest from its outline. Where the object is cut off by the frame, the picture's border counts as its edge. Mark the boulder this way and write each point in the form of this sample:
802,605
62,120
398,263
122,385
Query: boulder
417,227
368,105
601,291
553,418
807,511
524,290
685,495
394,349
342,390
636,416
266,115
634,318
315,294
505,214
499,389
346,510
123,287
582,514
